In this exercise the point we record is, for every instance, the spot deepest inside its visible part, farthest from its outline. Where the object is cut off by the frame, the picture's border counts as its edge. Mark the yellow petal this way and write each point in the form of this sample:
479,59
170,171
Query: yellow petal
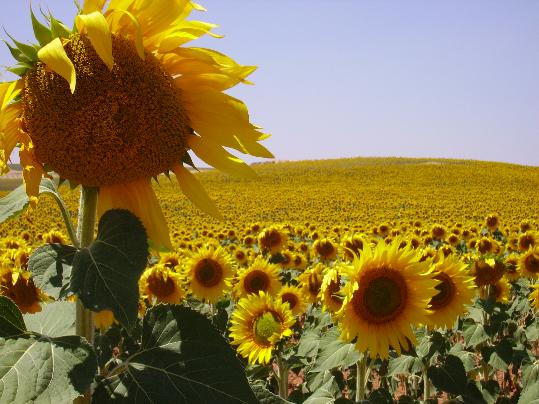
139,198
55,57
216,156
194,191
93,5
32,170
8,92
95,26
115,20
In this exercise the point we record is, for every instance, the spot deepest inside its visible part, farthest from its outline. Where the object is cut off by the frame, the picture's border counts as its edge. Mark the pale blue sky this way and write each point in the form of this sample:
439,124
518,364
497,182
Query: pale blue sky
342,78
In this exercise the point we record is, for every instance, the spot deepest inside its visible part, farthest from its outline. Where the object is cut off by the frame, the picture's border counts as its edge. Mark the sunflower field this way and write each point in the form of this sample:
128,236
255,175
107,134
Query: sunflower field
386,280
142,262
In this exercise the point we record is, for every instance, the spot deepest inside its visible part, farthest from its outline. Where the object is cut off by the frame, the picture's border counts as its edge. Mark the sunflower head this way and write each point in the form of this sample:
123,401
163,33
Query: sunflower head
528,264
487,271
492,222
325,249
330,290
389,290
534,297
209,273
500,291
162,285
294,297
352,246
456,289
260,276
18,285
311,282
272,240
258,324
526,240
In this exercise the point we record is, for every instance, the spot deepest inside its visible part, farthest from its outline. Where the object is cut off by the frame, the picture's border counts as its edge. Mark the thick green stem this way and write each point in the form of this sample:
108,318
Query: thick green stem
85,235
67,220
283,377
361,370
426,385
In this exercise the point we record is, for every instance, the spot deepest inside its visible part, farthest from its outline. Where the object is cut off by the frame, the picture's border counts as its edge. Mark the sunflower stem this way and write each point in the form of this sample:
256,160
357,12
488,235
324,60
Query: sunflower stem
283,377
426,384
85,236
67,220
361,370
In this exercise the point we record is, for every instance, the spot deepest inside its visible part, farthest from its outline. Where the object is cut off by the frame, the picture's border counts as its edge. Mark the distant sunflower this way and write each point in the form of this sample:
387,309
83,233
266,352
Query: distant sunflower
389,290
455,290
512,272
209,273
19,287
492,222
526,240
259,322
161,284
352,246
499,291
330,290
117,100
260,276
528,264
170,260
272,240
487,271
294,297
311,282
325,249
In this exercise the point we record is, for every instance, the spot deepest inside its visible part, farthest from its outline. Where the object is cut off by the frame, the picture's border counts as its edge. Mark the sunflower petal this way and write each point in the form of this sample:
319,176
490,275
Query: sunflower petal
55,57
216,156
32,170
194,191
96,27
139,198
114,18
93,5
8,92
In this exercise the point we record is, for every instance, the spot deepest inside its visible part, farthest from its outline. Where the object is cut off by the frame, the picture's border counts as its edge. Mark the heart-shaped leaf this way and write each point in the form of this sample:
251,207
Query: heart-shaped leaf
51,268
11,322
55,319
35,368
183,359
105,275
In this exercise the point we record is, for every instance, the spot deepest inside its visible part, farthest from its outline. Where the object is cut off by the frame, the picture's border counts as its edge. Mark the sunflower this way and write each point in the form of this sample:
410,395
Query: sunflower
487,271
18,286
330,290
272,240
534,297
492,223
325,249
526,240
294,297
389,290
528,264
117,100
311,282
170,260
352,246
259,276
161,284
455,290
512,272
259,322
209,273
499,291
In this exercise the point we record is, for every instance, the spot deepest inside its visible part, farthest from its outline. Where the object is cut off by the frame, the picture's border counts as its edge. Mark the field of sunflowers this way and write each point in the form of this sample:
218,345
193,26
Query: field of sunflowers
374,280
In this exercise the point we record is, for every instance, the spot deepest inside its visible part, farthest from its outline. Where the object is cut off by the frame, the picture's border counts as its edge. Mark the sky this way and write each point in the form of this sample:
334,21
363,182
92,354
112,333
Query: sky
346,78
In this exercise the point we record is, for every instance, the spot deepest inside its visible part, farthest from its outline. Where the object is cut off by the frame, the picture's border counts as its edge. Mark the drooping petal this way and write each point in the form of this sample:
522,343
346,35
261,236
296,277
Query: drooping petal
8,92
194,191
216,156
95,26
116,20
55,57
139,198
32,169
93,5
9,134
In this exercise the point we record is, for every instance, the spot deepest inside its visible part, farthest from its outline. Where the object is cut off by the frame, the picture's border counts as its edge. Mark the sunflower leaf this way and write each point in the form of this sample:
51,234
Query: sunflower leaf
55,319
51,268
183,359
11,321
37,368
17,201
105,275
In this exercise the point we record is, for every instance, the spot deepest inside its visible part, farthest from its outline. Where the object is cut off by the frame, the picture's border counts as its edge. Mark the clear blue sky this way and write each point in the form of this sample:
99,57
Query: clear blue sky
344,78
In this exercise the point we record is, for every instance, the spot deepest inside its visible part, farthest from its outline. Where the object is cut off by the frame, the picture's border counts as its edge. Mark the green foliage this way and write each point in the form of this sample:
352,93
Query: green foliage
11,321
264,396
182,359
51,268
38,368
55,319
105,275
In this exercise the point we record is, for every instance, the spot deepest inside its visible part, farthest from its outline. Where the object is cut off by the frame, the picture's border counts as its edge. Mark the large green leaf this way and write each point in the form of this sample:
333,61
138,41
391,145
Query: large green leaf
404,365
325,394
51,268
264,396
39,369
308,344
105,275
11,322
475,335
183,359
530,395
55,319
16,201
336,354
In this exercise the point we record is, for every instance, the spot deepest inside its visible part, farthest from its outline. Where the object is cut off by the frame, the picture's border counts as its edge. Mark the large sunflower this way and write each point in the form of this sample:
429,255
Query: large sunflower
389,290
455,290
528,264
259,322
117,100
209,273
